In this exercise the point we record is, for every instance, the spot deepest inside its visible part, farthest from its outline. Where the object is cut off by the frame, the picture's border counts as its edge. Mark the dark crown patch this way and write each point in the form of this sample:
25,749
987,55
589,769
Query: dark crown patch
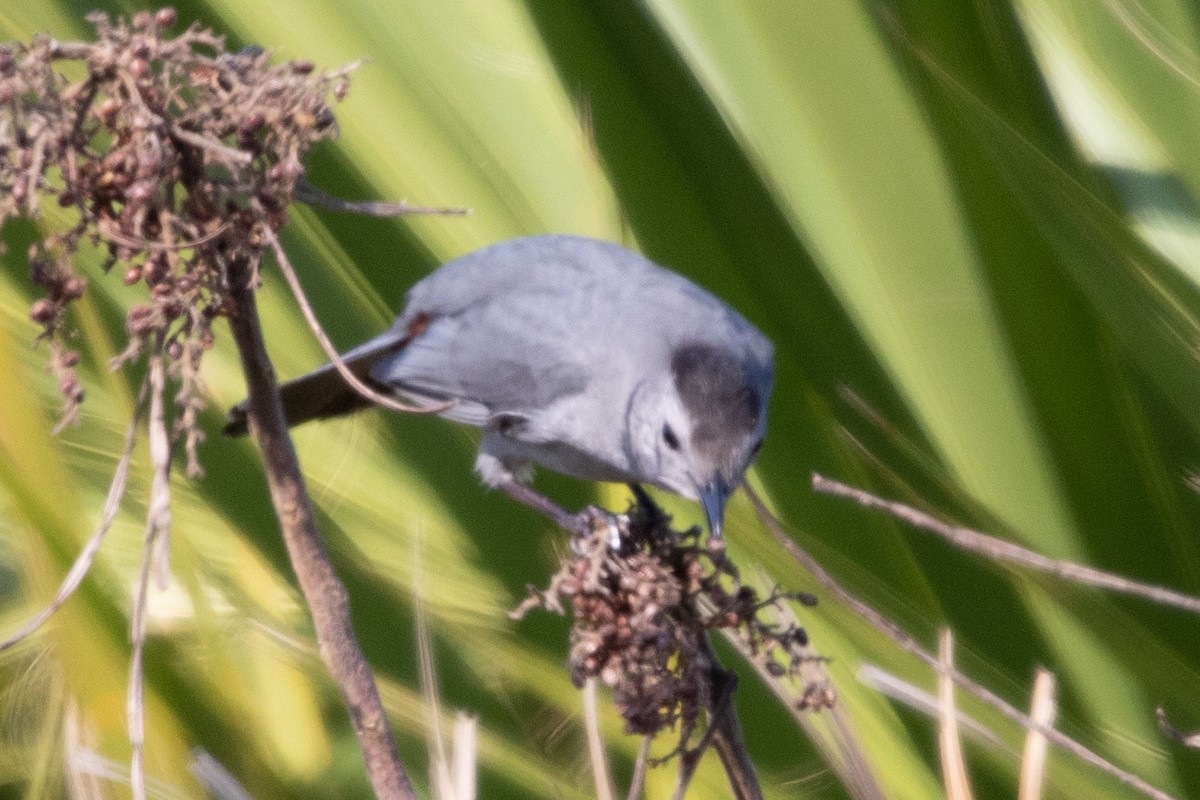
717,393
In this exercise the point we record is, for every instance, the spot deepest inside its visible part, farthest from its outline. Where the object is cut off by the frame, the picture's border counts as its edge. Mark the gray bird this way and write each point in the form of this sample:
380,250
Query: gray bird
578,355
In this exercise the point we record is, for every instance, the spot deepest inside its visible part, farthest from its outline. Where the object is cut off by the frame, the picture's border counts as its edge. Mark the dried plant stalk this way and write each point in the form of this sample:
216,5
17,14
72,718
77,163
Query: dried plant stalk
179,160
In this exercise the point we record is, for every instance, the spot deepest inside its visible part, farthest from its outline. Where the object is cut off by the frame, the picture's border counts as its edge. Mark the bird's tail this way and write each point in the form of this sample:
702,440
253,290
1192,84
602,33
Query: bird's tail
323,392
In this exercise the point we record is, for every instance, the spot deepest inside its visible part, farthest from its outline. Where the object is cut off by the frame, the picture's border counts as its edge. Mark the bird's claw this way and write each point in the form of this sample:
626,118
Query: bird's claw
586,525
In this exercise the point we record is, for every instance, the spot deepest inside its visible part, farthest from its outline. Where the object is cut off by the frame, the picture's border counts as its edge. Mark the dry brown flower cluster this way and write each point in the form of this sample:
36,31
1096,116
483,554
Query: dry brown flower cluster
171,152
642,612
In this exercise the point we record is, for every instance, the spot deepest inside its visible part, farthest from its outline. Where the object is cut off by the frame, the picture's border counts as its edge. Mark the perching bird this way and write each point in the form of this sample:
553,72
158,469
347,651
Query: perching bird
578,355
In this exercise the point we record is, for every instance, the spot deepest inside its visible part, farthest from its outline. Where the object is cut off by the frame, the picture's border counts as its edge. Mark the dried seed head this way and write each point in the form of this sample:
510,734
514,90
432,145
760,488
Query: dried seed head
642,614
150,147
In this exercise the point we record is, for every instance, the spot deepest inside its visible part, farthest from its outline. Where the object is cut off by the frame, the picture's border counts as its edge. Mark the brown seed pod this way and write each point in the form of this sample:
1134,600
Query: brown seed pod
165,17
74,287
43,311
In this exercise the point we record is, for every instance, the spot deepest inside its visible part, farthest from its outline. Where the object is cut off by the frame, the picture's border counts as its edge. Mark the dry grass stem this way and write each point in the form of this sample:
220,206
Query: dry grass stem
910,645
637,783
83,562
156,527
465,756
601,777
926,703
316,196
954,767
293,281
441,770
1042,710
213,776
1001,550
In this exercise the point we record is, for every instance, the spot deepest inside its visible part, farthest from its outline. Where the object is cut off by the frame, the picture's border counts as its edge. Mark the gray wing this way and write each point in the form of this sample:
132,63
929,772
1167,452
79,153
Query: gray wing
499,356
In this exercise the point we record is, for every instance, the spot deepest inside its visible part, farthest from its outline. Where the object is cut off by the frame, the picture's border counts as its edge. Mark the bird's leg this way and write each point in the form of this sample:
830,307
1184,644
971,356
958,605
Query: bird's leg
653,511
578,524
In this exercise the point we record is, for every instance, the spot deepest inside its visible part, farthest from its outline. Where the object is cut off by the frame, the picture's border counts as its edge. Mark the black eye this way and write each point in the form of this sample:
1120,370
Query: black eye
754,450
672,441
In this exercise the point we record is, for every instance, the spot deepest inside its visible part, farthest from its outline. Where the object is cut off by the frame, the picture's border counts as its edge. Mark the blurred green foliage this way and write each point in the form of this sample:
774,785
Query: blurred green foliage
969,228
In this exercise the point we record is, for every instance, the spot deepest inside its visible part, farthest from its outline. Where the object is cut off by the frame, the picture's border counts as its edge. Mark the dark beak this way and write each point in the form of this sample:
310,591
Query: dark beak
713,497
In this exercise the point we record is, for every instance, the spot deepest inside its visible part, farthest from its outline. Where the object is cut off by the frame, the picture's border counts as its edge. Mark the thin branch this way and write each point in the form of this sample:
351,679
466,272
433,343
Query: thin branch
315,196
954,768
595,741
638,782
222,151
910,645
289,273
69,51
1001,550
725,731
1173,733
108,229
87,556
1042,710
323,592
842,748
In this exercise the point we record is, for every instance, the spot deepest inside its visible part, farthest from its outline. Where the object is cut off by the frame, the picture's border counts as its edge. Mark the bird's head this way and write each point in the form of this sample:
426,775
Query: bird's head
700,429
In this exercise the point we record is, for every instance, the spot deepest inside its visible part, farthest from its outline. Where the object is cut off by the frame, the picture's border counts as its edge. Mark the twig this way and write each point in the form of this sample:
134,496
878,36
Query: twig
1173,733
1001,550
591,724
221,151
1033,763
954,768
107,229
728,742
70,51
842,748
289,273
316,196
910,645
323,592
724,734
83,562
